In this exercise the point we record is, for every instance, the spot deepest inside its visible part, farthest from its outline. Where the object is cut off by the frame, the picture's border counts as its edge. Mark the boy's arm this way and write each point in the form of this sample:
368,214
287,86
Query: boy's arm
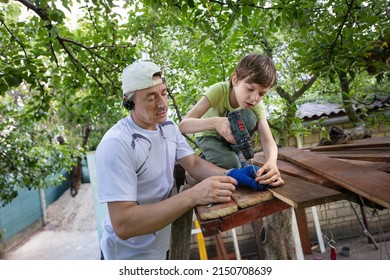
193,122
272,174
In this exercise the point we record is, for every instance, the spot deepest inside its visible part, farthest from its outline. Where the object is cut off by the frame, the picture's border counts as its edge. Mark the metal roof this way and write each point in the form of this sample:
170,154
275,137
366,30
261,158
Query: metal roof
312,111
315,111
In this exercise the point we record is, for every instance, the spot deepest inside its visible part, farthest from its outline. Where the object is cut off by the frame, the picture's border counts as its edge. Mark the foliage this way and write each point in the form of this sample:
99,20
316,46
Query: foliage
29,155
64,59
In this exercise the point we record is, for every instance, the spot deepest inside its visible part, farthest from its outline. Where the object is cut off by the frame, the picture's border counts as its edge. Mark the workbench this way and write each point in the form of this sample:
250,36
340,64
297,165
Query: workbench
355,171
311,178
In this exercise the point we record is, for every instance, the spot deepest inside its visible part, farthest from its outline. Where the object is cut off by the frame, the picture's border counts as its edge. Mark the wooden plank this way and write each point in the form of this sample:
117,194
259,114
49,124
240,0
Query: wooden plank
291,169
364,143
242,197
209,227
373,156
382,166
252,213
366,182
241,217
245,197
214,211
301,194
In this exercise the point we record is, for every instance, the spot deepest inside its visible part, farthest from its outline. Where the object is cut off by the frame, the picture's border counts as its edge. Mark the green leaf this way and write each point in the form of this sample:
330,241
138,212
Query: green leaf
53,32
245,21
191,4
13,80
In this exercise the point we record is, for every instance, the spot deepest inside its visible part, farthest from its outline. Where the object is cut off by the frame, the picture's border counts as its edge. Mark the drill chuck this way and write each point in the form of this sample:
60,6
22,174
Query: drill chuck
241,134
246,150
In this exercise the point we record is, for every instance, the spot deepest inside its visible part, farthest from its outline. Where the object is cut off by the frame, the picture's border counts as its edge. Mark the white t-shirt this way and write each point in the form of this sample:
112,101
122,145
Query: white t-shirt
134,164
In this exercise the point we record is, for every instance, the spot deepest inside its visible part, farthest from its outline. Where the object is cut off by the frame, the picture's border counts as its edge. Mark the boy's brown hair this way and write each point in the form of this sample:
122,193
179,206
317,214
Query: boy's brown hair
256,69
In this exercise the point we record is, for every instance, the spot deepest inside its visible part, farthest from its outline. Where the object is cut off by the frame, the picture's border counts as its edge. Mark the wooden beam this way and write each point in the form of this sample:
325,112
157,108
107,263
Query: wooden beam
181,235
252,213
257,226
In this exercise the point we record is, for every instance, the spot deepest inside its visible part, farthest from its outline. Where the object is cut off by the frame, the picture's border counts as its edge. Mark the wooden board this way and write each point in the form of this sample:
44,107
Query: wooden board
366,155
246,197
242,197
364,143
289,168
368,164
301,194
241,217
371,184
209,212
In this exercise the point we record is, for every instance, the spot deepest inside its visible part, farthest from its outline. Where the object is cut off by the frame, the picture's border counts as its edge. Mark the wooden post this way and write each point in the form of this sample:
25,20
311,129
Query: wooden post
181,237
303,230
257,226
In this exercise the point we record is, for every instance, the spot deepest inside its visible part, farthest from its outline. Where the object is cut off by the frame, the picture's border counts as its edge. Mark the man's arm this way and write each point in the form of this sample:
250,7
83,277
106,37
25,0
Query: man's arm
130,219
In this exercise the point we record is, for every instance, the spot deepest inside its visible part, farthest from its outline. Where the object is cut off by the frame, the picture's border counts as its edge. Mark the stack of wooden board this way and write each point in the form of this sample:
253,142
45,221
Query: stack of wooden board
363,176
311,178
370,152
243,197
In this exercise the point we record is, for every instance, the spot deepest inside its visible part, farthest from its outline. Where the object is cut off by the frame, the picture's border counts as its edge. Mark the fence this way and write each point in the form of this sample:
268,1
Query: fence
24,215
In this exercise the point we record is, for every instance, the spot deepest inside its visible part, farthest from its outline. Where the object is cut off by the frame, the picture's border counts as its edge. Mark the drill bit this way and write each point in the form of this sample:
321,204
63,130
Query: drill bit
250,161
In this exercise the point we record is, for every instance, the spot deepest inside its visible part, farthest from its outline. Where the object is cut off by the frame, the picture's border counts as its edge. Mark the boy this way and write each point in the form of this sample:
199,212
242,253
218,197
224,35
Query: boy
251,80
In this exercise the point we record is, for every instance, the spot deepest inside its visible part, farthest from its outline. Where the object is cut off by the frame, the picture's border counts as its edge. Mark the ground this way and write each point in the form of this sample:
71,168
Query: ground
71,234
359,249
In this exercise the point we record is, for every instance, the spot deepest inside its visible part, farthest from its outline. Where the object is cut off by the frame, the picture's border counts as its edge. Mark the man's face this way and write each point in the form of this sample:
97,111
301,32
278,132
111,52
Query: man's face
150,106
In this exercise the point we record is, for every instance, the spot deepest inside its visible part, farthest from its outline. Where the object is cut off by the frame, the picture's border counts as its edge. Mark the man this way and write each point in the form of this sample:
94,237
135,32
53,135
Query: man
134,169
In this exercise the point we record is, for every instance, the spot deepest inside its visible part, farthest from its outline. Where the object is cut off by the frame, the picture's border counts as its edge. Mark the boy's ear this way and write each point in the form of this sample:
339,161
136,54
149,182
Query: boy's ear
234,79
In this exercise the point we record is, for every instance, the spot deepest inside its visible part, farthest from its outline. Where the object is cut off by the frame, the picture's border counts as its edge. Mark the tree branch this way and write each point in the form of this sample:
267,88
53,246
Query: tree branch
283,93
304,88
340,29
16,39
61,40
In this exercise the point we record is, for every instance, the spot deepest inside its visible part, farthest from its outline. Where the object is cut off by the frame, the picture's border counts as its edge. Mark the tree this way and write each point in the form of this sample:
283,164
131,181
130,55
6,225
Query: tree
30,156
56,76
71,72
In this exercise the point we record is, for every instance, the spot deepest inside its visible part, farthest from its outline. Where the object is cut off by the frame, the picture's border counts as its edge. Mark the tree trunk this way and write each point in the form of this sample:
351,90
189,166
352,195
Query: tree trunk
279,237
342,136
76,172
347,102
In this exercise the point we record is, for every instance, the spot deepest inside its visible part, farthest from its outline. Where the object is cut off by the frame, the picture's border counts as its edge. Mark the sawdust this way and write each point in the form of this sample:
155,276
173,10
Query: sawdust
69,213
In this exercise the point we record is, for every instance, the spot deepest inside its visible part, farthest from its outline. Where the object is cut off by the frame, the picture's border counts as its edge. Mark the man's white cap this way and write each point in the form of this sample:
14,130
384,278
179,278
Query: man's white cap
139,75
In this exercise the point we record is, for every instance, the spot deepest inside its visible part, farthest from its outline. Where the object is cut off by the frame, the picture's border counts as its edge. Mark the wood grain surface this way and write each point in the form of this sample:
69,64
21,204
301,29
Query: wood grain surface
366,182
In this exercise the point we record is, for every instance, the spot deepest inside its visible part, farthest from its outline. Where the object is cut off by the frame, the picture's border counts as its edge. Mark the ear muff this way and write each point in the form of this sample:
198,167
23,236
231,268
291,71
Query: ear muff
128,104
128,101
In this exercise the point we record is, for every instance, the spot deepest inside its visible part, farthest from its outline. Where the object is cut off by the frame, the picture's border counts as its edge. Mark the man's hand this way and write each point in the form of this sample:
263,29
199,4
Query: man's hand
246,177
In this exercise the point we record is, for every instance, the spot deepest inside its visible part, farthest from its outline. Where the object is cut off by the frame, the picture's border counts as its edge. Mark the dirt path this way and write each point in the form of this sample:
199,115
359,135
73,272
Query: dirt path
73,213
71,232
